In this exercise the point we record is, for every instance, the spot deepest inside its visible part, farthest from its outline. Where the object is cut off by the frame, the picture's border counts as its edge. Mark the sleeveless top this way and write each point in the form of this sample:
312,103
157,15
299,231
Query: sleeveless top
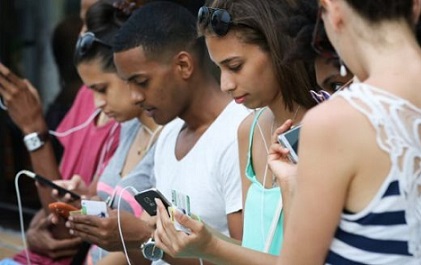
388,230
260,207
112,187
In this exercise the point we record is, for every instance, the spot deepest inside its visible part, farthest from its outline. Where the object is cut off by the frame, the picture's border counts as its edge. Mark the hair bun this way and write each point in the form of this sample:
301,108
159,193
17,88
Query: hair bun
102,16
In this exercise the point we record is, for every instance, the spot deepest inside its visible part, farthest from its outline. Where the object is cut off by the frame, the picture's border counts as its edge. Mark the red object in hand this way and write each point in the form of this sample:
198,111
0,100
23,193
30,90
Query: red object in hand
62,209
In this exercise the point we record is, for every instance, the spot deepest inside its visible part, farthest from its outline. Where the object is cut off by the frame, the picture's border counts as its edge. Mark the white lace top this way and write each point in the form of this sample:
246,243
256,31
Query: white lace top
388,230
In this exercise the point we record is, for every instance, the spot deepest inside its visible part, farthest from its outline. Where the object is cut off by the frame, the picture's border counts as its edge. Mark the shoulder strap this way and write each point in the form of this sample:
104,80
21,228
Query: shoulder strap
257,114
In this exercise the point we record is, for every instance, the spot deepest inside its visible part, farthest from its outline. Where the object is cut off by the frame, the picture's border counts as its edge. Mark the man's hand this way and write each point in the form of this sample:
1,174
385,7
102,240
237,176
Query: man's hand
40,240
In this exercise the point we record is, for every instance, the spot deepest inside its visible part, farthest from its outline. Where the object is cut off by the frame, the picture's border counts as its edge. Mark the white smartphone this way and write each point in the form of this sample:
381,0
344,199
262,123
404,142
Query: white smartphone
289,140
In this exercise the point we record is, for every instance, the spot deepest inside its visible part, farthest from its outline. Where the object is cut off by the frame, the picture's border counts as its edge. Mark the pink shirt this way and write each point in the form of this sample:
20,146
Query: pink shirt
87,151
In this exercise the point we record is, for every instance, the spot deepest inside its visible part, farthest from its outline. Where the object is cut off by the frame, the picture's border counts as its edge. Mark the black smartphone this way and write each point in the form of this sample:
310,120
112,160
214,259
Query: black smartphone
289,140
146,199
61,191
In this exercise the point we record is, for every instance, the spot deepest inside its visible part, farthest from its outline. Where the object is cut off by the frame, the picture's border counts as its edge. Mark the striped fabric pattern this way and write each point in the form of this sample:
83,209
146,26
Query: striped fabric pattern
376,237
380,234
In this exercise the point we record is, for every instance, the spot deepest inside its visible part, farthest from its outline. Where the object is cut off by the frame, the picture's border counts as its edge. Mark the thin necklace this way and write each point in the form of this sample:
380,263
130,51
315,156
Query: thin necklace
152,134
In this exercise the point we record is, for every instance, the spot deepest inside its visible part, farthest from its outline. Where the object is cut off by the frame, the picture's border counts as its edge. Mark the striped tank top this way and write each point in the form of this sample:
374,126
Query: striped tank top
388,230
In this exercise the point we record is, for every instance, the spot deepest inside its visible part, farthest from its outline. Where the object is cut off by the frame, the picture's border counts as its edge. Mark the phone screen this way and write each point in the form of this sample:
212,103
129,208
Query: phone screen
146,199
289,140
292,138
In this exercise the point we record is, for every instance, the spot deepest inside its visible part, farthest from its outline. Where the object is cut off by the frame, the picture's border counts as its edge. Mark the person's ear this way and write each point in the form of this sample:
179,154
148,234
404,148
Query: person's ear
333,13
184,64
416,11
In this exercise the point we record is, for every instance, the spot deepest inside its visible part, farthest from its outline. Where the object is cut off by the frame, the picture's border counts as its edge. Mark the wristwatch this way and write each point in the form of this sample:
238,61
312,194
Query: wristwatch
150,251
34,141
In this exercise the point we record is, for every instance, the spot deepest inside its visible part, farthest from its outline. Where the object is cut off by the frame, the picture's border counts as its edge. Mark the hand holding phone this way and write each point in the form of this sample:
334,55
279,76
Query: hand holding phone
75,184
61,191
289,140
62,209
146,199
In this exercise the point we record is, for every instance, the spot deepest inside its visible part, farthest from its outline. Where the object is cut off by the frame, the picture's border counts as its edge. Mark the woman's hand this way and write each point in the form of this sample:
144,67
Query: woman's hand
282,168
41,240
104,232
75,184
180,244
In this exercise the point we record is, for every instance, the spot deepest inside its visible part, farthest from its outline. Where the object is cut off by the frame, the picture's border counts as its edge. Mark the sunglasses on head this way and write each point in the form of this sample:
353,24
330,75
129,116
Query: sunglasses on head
320,43
218,19
85,43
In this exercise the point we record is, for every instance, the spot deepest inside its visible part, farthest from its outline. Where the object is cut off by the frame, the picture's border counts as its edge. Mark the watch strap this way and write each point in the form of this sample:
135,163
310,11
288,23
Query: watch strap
35,140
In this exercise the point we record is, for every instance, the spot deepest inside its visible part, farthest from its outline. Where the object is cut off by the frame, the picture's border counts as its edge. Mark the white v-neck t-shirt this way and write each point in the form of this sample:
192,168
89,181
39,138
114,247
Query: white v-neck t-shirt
209,173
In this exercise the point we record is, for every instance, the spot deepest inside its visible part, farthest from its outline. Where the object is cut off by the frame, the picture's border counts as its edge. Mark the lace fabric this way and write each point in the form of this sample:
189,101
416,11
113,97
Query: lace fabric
398,127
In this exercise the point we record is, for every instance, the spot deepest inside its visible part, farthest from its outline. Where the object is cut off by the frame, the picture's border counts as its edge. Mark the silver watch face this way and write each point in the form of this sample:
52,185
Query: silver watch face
151,251
33,141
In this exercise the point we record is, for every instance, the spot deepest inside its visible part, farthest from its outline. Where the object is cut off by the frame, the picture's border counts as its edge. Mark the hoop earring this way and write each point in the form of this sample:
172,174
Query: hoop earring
342,69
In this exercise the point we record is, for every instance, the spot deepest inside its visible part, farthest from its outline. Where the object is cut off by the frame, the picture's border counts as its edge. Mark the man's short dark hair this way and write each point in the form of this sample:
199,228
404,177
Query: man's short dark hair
160,28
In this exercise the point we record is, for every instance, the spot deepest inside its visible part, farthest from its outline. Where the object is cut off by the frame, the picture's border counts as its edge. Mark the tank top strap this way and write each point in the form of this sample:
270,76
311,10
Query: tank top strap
257,114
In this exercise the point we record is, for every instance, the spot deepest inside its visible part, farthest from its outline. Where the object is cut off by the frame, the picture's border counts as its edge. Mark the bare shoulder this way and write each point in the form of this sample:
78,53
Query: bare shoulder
334,116
331,128
245,125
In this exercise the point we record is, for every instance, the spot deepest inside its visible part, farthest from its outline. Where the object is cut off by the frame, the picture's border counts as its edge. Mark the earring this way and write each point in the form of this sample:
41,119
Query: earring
342,69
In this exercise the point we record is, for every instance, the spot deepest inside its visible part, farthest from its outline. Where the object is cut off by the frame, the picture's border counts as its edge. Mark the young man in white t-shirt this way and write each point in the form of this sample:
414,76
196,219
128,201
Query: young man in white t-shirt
169,72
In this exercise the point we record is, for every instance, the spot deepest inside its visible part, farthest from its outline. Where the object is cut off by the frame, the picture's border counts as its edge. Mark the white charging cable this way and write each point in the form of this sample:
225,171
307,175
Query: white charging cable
133,189
77,128
71,130
22,225
119,220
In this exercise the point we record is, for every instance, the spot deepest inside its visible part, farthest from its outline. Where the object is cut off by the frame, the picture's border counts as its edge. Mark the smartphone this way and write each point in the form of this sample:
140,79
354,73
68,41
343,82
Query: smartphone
62,209
61,191
289,140
146,199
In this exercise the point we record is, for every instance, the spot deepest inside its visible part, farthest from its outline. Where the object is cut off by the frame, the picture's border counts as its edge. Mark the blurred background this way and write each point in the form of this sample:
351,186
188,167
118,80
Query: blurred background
29,30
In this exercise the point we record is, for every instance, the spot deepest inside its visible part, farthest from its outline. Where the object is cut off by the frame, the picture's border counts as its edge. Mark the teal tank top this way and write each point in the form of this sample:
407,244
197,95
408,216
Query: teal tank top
260,207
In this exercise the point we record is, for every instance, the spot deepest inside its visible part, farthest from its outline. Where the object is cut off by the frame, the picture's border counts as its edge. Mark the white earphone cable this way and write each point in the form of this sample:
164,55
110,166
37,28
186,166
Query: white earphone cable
262,203
77,128
120,231
71,130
